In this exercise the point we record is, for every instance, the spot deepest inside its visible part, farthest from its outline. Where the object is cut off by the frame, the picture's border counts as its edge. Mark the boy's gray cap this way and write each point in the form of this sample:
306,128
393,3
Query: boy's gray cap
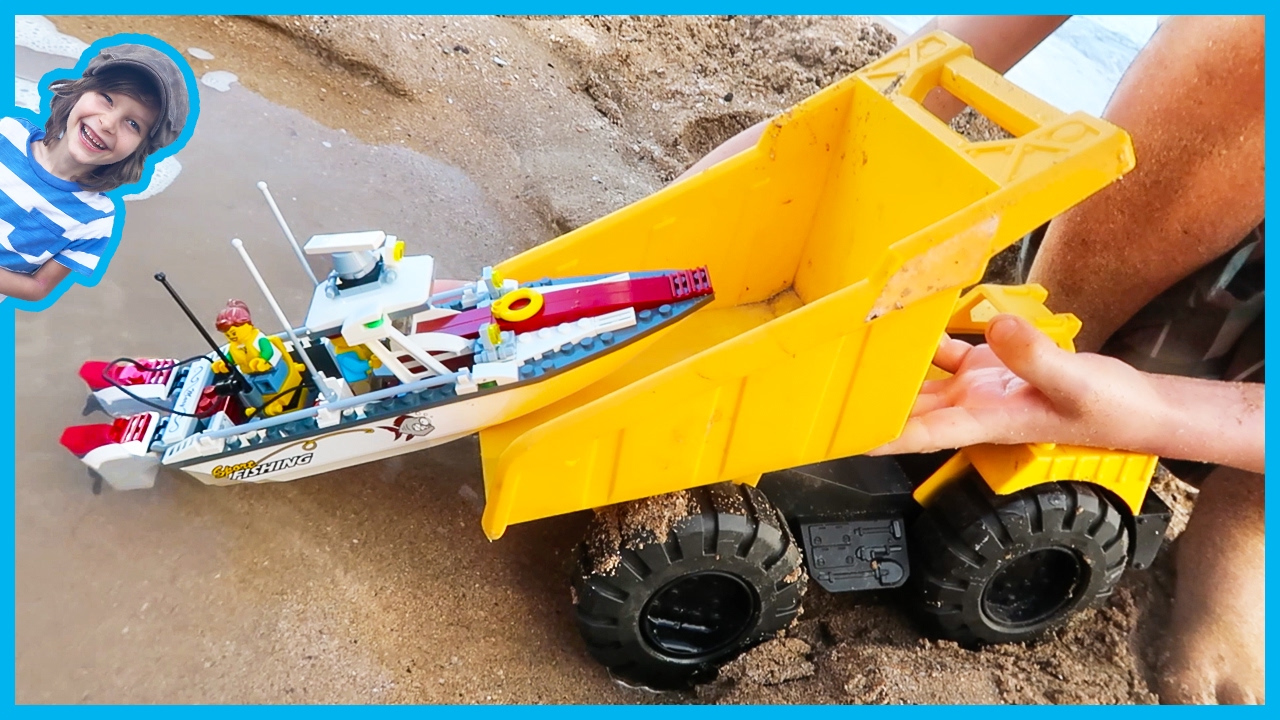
168,79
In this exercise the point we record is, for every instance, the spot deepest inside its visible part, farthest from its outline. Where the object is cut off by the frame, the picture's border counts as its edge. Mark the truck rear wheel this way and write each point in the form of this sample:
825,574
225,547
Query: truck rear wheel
993,569
666,612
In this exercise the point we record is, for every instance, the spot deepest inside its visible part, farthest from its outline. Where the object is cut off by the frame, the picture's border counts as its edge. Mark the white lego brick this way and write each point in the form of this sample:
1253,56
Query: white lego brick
465,384
431,314
220,421
388,253
503,373
345,242
435,342
533,345
472,294
548,289
116,403
125,466
180,426
327,417
193,447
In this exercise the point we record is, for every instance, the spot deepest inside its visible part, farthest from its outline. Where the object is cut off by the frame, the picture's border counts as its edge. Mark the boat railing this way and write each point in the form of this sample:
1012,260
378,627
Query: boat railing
339,405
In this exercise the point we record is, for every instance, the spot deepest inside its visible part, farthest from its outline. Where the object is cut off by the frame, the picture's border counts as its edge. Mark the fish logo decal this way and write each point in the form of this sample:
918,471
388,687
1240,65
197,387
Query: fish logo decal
410,426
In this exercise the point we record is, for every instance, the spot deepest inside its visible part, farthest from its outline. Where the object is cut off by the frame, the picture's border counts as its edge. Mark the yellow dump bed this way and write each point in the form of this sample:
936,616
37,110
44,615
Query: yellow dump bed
837,247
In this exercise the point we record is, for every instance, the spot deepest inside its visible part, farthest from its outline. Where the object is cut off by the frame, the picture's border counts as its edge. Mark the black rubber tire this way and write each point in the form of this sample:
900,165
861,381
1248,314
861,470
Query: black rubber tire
996,569
734,546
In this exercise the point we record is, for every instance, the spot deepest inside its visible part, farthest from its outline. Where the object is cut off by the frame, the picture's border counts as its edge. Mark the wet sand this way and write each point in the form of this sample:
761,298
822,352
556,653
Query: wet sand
375,584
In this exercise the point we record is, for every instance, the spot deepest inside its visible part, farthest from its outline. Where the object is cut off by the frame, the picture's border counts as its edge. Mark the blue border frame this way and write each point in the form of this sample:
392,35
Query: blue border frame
8,310
7,454
1272,343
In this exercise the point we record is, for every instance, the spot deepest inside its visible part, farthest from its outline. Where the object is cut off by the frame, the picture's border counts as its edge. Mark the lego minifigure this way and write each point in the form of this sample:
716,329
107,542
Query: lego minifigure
262,359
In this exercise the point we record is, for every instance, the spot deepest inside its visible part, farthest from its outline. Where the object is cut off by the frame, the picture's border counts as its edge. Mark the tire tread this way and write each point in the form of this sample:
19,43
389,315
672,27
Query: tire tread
732,526
950,574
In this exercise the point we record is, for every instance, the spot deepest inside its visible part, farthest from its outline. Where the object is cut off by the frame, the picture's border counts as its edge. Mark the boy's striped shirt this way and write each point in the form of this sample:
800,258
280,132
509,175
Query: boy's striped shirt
43,217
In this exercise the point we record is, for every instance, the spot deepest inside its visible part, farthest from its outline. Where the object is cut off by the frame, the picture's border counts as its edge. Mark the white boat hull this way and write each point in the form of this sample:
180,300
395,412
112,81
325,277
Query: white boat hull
357,443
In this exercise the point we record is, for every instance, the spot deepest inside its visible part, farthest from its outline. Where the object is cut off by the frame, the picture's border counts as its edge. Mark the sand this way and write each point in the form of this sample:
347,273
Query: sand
560,121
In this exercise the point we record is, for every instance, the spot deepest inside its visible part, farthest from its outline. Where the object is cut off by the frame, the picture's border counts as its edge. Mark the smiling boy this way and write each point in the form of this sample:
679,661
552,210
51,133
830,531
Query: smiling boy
131,101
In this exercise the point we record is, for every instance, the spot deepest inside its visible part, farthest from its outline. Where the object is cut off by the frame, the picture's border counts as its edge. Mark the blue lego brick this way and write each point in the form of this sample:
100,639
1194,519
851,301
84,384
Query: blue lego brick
547,282
646,321
651,273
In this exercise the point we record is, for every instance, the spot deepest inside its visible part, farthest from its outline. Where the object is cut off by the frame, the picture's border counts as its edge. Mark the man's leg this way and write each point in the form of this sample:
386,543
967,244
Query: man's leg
1193,102
1218,648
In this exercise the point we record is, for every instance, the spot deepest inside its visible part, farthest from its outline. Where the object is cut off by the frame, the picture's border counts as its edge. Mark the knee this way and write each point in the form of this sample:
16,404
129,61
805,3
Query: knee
1236,488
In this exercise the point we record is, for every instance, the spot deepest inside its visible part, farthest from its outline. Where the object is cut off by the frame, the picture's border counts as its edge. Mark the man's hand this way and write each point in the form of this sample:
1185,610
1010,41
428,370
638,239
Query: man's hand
1019,388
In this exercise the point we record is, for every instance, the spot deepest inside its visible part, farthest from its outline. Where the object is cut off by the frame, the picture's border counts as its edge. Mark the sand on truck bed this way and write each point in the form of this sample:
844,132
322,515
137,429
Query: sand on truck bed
562,120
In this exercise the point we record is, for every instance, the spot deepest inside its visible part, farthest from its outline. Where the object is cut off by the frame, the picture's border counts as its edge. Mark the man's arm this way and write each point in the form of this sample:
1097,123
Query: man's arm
1210,421
35,286
1021,388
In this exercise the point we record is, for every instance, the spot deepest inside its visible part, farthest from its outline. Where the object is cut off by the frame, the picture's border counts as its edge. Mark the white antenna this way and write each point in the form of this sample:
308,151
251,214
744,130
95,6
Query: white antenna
287,232
329,394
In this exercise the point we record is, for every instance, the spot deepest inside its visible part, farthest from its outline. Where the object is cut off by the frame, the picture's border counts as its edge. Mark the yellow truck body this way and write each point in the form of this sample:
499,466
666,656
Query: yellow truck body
838,248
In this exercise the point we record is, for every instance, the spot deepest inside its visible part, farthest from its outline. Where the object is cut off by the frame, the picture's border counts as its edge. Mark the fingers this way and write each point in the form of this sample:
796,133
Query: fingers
927,402
951,353
1032,356
939,430
932,397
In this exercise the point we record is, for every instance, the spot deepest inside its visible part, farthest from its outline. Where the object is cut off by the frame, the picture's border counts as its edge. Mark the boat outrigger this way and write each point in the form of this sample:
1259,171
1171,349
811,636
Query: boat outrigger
380,366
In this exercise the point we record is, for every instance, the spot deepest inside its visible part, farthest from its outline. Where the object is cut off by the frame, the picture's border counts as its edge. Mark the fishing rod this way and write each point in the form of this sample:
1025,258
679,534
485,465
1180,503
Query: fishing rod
241,380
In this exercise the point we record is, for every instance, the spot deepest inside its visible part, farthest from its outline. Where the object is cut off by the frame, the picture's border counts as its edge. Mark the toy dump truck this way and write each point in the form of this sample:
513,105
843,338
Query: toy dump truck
706,370
841,247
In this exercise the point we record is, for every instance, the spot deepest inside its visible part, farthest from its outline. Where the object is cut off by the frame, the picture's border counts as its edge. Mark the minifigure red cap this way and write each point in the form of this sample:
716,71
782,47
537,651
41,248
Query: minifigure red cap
168,78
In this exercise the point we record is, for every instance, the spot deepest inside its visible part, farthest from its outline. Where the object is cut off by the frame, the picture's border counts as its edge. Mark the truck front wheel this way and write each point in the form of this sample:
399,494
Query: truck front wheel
669,588
993,569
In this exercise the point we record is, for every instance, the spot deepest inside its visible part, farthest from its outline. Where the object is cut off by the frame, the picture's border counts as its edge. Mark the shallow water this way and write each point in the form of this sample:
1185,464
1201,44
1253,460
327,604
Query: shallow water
134,585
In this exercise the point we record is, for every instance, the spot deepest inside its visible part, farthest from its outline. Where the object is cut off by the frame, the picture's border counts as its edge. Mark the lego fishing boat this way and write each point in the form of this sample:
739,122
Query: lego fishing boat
380,366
